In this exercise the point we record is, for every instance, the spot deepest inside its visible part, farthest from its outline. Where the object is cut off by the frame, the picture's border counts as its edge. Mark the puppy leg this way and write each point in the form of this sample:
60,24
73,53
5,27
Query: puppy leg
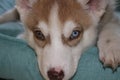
109,45
11,15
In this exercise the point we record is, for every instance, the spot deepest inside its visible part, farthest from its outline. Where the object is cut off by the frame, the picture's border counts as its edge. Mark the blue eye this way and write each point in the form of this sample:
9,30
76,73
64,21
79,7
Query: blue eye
75,34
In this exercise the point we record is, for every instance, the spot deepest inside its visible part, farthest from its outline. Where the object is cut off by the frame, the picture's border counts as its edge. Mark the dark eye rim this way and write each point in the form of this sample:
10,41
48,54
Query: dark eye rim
76,37
39,35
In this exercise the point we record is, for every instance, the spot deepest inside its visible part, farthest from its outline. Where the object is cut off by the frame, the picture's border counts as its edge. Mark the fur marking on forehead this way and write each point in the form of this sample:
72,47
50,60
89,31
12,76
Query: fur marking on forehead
67,10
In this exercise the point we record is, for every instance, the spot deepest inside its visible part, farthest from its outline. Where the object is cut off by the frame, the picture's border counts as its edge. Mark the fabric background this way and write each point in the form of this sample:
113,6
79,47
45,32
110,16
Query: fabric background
18,61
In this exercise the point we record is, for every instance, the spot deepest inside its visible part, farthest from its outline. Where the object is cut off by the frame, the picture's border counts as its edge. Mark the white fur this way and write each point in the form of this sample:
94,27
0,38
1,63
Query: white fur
28,36
56,52
68,25
58,55
43,27
61,56
109,52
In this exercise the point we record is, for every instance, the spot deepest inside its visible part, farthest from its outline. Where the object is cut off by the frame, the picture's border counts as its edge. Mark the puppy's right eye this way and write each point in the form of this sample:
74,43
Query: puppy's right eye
39,35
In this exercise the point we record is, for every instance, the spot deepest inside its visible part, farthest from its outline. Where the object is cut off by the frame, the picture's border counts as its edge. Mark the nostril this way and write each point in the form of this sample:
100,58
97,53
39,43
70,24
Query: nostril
55,75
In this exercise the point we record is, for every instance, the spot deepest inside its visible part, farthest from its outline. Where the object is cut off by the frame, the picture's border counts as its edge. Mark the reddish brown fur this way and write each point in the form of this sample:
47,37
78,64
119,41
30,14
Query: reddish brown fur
67,10
72,10
42,43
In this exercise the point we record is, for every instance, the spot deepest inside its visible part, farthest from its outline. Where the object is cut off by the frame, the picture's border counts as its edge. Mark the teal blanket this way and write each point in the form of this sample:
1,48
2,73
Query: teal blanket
18,61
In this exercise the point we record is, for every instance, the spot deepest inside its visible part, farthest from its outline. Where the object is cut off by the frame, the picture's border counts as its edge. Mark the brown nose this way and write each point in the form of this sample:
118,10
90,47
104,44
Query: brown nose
55,75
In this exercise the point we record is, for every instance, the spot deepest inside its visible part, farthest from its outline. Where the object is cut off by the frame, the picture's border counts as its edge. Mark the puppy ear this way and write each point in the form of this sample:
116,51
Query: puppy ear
98,7
25,4
24,7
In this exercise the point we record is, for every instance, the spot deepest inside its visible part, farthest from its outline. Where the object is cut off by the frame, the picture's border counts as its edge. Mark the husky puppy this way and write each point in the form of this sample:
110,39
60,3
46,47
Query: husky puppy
60,30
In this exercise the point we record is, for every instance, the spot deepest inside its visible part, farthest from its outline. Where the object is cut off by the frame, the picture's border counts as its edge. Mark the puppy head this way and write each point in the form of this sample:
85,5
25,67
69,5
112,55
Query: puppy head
59,30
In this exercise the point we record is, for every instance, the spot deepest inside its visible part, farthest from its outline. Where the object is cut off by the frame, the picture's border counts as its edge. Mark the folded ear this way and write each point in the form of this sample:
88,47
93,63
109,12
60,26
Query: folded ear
25,4
24,7
96,6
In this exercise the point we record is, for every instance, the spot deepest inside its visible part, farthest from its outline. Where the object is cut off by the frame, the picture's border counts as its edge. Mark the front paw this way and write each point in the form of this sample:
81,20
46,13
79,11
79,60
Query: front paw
109,52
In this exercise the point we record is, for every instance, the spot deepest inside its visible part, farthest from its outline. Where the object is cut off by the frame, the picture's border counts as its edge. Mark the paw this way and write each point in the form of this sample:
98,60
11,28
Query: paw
109,52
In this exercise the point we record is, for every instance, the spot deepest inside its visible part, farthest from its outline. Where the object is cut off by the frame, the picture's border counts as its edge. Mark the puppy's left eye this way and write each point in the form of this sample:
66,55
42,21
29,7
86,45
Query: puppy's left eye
75,34
38,34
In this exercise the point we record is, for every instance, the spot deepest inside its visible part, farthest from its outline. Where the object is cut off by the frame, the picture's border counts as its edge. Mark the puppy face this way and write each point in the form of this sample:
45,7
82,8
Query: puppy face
59,31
